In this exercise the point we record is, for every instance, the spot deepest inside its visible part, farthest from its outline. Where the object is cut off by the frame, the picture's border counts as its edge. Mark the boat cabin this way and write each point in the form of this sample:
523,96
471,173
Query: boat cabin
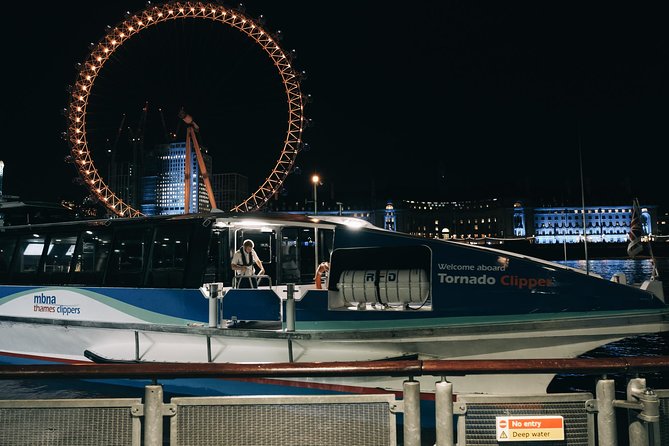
160,252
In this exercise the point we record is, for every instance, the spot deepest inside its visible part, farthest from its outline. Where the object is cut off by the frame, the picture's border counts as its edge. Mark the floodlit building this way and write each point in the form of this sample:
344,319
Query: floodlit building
163,185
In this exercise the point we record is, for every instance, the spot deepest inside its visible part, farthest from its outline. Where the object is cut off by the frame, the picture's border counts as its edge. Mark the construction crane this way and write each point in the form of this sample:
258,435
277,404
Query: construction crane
169,136
136,140
191,139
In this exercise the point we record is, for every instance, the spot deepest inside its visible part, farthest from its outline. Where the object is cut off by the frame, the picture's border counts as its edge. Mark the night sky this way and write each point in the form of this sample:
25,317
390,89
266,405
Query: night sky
430,100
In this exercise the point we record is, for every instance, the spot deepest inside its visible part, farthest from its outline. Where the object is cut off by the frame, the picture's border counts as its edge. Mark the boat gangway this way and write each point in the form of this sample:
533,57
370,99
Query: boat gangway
376,418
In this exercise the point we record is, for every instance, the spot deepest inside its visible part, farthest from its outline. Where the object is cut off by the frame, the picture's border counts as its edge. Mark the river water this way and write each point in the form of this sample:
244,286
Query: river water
649,345
654,344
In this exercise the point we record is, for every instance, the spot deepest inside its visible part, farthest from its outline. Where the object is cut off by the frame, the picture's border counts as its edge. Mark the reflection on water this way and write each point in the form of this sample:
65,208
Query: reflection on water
655,344
635,270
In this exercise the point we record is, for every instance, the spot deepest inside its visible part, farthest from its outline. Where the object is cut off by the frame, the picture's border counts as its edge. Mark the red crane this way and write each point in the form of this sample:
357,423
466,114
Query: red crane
191,139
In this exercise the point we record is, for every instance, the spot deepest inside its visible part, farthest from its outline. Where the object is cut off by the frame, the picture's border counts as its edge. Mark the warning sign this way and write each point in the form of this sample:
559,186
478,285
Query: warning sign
530,428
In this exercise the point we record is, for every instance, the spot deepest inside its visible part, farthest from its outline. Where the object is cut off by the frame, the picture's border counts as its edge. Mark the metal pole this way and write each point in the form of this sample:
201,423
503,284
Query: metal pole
411,398
290,307
153,415
605,392
290,316
585,233
638,427
444,413
315,199
638,433
136,346
213,305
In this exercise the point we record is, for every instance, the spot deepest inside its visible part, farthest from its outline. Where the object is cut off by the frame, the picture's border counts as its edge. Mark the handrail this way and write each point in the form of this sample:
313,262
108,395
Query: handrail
236,280
328,369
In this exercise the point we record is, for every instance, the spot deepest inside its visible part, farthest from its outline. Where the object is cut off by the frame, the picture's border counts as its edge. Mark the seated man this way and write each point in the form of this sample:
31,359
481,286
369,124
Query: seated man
242,265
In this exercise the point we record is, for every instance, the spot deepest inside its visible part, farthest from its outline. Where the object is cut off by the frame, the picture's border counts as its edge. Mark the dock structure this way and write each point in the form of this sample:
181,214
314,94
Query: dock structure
376,418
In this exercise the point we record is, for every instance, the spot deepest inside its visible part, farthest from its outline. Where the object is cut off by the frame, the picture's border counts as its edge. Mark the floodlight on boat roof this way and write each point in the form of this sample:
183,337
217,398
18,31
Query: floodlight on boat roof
245,223
354,223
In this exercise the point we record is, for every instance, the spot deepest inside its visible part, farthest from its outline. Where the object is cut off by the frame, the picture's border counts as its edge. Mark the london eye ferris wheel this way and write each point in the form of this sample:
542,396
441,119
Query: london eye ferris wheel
81,112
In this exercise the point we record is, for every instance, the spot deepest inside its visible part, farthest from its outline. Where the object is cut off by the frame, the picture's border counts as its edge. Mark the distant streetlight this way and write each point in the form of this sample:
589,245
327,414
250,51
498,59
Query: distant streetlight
315,180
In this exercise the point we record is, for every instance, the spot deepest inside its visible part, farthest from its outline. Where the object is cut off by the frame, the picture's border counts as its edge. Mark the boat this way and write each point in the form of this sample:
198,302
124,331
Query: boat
161,289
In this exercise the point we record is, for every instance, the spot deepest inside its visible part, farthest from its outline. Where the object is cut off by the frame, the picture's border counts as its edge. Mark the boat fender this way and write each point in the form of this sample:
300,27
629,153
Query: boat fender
619,278
654,286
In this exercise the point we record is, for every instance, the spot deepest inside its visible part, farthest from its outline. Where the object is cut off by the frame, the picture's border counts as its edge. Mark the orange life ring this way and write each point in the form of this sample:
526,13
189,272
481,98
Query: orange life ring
324,267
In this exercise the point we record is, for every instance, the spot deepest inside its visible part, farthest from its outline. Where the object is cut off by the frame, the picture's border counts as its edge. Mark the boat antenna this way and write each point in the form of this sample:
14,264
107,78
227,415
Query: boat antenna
585,235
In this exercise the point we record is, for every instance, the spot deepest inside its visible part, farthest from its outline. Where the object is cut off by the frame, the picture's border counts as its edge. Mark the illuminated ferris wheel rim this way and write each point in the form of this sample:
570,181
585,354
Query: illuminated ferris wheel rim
152,16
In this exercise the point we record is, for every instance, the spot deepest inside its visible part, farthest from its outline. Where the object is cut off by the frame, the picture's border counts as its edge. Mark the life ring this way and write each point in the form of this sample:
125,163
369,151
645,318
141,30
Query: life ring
324,267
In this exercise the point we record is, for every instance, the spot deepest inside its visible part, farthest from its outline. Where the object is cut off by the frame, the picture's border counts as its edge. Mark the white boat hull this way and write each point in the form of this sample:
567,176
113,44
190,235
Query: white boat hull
567,338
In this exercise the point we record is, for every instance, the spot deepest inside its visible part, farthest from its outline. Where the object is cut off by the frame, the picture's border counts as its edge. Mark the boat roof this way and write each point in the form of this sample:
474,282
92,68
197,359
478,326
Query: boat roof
220,218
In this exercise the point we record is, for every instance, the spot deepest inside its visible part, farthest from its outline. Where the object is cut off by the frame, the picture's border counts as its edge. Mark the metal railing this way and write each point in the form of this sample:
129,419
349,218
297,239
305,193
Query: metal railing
252,280
649,420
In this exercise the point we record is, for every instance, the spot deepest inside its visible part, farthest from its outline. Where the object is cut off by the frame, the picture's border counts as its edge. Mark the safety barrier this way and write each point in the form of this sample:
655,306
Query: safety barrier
71,422
461,419
488,419
662,431
363,420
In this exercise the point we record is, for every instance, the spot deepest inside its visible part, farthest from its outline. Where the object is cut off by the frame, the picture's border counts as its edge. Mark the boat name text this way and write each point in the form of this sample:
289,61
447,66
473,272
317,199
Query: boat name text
505,280
43,303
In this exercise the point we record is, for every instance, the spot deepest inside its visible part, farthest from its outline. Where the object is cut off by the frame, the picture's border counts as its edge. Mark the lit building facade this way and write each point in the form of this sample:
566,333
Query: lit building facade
163,186
457,219
603,224
390,217
487,220
496,219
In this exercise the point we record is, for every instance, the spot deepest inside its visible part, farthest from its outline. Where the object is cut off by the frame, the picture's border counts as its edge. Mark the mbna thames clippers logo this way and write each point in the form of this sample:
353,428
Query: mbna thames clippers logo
45,303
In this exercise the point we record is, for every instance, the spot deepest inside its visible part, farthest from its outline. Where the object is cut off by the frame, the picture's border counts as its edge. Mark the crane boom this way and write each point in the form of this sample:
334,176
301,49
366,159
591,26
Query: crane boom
191,139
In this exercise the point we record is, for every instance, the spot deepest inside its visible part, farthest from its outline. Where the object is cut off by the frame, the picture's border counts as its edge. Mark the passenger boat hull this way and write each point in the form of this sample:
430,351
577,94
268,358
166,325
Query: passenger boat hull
159,290
513,338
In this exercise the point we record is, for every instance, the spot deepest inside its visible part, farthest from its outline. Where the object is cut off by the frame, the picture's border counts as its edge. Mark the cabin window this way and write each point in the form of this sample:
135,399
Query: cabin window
170,247
6,250
290,267
59,254
91,256
218,259
325,244
128,256
168,260
29,254
263,240
298,250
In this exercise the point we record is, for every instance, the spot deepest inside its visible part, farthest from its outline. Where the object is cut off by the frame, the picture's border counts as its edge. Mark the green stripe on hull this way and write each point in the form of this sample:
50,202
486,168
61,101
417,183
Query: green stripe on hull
442,322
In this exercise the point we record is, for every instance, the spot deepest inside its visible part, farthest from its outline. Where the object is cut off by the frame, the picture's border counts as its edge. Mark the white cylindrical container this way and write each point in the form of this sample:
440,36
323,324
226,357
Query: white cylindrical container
358,286
388,286
403,286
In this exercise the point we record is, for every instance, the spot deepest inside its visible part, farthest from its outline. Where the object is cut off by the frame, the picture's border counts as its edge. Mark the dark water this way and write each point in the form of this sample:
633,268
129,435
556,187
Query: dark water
648,345
656,344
